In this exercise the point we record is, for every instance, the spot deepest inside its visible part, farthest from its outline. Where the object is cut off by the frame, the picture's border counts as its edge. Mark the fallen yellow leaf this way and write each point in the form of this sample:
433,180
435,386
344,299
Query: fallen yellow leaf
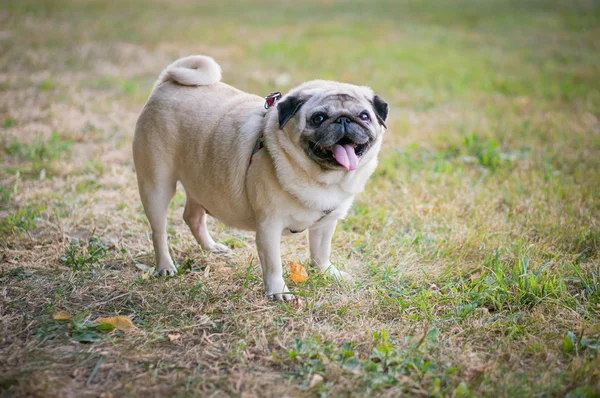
174,336
297,272
61,316
121,322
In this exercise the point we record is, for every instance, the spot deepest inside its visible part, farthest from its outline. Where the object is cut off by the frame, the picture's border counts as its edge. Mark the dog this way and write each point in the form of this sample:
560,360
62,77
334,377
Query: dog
321,143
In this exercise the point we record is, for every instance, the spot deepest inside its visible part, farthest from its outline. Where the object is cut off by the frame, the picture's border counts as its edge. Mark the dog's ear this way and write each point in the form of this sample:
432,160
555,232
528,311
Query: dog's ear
381,110
287,108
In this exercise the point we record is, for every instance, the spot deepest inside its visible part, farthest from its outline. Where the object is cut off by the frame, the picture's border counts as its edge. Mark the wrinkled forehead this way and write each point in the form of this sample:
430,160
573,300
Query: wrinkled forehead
333,102
336,95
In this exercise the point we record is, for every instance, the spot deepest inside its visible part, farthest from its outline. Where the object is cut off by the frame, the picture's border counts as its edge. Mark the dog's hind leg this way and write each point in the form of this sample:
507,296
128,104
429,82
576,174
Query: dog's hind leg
156,194
195,217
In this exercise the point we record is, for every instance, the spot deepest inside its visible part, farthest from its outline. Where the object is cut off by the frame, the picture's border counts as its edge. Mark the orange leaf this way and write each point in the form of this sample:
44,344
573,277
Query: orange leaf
297,272
61,316
121,322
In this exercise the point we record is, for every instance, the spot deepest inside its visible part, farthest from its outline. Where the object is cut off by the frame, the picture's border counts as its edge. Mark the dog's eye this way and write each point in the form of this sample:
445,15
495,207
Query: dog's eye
318,118
365,116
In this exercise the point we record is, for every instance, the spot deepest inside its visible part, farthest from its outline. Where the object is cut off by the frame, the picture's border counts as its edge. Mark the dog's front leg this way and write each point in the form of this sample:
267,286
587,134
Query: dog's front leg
319,240
268,240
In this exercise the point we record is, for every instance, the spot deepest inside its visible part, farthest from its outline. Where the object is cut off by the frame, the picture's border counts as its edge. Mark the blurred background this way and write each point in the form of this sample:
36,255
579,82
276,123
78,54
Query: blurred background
448,68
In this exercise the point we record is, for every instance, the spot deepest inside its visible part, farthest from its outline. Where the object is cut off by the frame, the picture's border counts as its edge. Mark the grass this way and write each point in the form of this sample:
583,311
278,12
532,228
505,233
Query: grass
474,249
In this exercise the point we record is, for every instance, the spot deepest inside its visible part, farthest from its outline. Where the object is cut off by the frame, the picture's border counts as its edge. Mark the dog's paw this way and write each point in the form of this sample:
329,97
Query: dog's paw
282,297
167,270
279,293
338,275
220,249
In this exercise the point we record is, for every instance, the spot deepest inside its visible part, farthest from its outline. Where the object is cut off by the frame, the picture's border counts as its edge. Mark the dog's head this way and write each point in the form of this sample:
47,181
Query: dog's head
336,124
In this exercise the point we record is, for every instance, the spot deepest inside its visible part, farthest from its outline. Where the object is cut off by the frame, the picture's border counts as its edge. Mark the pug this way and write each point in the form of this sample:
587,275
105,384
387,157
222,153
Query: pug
278,167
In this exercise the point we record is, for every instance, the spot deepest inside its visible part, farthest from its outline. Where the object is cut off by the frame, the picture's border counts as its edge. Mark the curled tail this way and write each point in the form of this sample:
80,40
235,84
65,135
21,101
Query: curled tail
195,70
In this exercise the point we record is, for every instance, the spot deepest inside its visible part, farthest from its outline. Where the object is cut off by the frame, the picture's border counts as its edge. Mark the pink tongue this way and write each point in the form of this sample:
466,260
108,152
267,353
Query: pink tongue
345,156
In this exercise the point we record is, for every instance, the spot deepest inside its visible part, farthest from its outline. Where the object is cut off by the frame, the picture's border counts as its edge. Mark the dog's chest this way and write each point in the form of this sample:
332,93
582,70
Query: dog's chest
300,222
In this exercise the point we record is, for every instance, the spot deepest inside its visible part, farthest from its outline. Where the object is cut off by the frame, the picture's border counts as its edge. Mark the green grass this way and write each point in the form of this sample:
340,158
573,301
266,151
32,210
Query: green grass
474,248
80,255
42,151
40,156
21,219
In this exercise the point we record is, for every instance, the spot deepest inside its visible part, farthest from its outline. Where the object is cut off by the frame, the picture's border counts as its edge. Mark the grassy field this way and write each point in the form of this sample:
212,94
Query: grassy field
474,249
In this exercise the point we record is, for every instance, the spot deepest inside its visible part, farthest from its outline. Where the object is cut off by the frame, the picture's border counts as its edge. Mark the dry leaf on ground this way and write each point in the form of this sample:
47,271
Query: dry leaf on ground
121,322
297,272
61,316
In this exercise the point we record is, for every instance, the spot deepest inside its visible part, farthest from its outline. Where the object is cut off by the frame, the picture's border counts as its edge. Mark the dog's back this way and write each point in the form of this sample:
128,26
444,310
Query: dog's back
199,131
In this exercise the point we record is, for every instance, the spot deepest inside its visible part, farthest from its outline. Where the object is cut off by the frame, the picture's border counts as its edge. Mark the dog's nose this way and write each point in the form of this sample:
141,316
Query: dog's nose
343,120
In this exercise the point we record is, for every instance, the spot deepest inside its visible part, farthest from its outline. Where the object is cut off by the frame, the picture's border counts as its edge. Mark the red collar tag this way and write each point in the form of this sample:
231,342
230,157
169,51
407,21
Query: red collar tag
271,99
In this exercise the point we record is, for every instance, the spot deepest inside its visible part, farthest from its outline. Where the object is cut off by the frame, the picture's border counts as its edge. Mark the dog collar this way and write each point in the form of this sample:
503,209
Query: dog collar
257,147
272,98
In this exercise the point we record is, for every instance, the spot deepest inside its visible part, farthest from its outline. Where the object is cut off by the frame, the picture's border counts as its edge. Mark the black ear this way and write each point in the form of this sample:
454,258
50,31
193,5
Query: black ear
287,108
381,109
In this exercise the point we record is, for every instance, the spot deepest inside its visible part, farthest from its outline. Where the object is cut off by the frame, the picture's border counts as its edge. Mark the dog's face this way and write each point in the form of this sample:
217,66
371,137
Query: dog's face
335,124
